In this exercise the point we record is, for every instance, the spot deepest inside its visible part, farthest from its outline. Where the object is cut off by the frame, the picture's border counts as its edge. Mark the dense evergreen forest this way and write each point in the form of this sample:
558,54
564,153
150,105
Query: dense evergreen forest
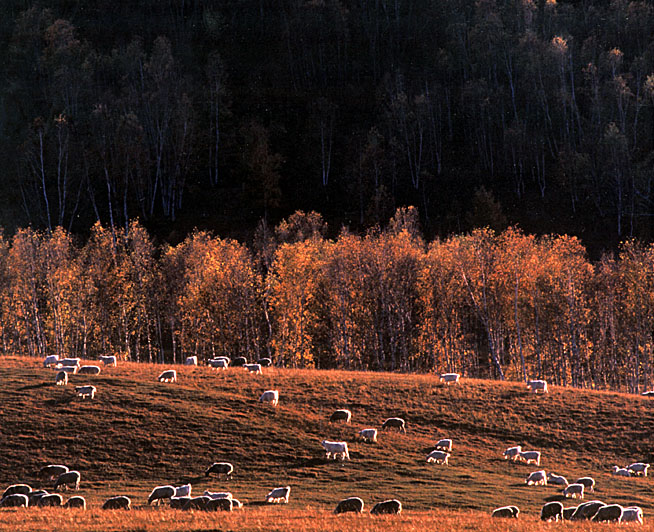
199,113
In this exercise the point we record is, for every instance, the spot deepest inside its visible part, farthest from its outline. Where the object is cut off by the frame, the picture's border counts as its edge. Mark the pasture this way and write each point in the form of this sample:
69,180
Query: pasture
138,433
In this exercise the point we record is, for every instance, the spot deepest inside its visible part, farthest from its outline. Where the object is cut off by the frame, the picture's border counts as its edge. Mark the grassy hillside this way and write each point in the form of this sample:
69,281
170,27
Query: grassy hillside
138,433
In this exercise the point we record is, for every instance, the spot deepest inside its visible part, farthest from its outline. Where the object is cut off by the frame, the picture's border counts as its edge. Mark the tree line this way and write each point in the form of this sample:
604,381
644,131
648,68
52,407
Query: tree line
505,305
539,112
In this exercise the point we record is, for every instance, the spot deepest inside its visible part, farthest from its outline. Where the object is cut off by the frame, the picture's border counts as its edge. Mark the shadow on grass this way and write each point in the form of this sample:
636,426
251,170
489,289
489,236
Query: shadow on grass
36,386
64,400
552,498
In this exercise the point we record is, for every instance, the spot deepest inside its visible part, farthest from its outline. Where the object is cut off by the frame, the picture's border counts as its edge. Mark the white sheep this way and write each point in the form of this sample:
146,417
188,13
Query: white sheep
220,468
68,369
444,445
335,448
512,453
218,494
52,471
219,363
89,370
50,360
120,502
506,511
68,480
557,479
15,500
351,504
270,396
76,502
394,422
621,471
537,478
183,491
536,386
530,457
588,482
109,360
69,362
551,511
191,361
279,495
632,514
609,513
368,435
50,499
86,391
574,490
225,505
254,368
392,506
450,378
438,457
341,415
61,379
161,492
638,468
16,489
170,375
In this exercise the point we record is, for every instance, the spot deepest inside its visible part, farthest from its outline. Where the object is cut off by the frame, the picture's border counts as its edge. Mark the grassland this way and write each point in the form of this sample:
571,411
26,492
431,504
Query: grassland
138,433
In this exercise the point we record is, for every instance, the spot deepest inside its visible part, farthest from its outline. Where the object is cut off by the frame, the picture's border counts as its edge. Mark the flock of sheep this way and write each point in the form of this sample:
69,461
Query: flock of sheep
22,495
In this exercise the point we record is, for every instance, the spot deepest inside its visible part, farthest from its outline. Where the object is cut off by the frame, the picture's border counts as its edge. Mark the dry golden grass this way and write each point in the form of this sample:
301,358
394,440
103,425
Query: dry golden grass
139,433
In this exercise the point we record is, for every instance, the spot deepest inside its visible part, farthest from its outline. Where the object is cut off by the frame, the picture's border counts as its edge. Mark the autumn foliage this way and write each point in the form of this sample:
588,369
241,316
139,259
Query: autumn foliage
504,305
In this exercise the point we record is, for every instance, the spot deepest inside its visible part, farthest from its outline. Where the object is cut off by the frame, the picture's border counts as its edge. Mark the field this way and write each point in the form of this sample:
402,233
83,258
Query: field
138,433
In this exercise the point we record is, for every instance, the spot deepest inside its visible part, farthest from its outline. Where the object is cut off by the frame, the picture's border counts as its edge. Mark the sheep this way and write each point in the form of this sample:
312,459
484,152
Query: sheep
638,468
50,360
76,502
225,505
86,391
161,492
394,422
23,489
588,482
536,386
506,511
392,506
621,471
68,369
170,375
444,445
254,368
34,496
183,491
586,510
218,494
351,504
369,435
552,478
530,457
334,448
89,370
191,361
220,363
220,468
61,379
196,503
270,396
265,362
15,500
449,378
632,514
67,362
438,457
648,393
236,503
119,502
537,478
512,453
609,513
341,415
574,490
569,512
50,499
178,503
552,511
52,471
67,480
239,362
109,360
279,495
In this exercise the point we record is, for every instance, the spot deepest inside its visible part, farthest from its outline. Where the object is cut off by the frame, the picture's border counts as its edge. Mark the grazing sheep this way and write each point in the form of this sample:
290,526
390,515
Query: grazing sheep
67,362
632,514
236,503
170,375
15,500
254,368
557,479
23,489
536,386
239,362
270,396
68,480
89,370
161,492
369,435
394,422
638,468
530,457
86,391
341,415
218,494
609,513
34,496
109,360
438,457
225,505
334,448
621,471
569,512
586,510
50,360
351,504
196,503
219,363
61,379
588,482
552,511
506,511
537,478
265,362
76,502
120,502
444,445
178,503
574,490
183,491
68,369
52,471
392,506
649,393
449,378
191,361
220,468
50,499
512,453
279,495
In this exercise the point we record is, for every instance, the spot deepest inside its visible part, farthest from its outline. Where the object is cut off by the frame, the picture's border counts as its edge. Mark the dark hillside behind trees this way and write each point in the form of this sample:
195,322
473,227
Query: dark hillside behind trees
214,114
